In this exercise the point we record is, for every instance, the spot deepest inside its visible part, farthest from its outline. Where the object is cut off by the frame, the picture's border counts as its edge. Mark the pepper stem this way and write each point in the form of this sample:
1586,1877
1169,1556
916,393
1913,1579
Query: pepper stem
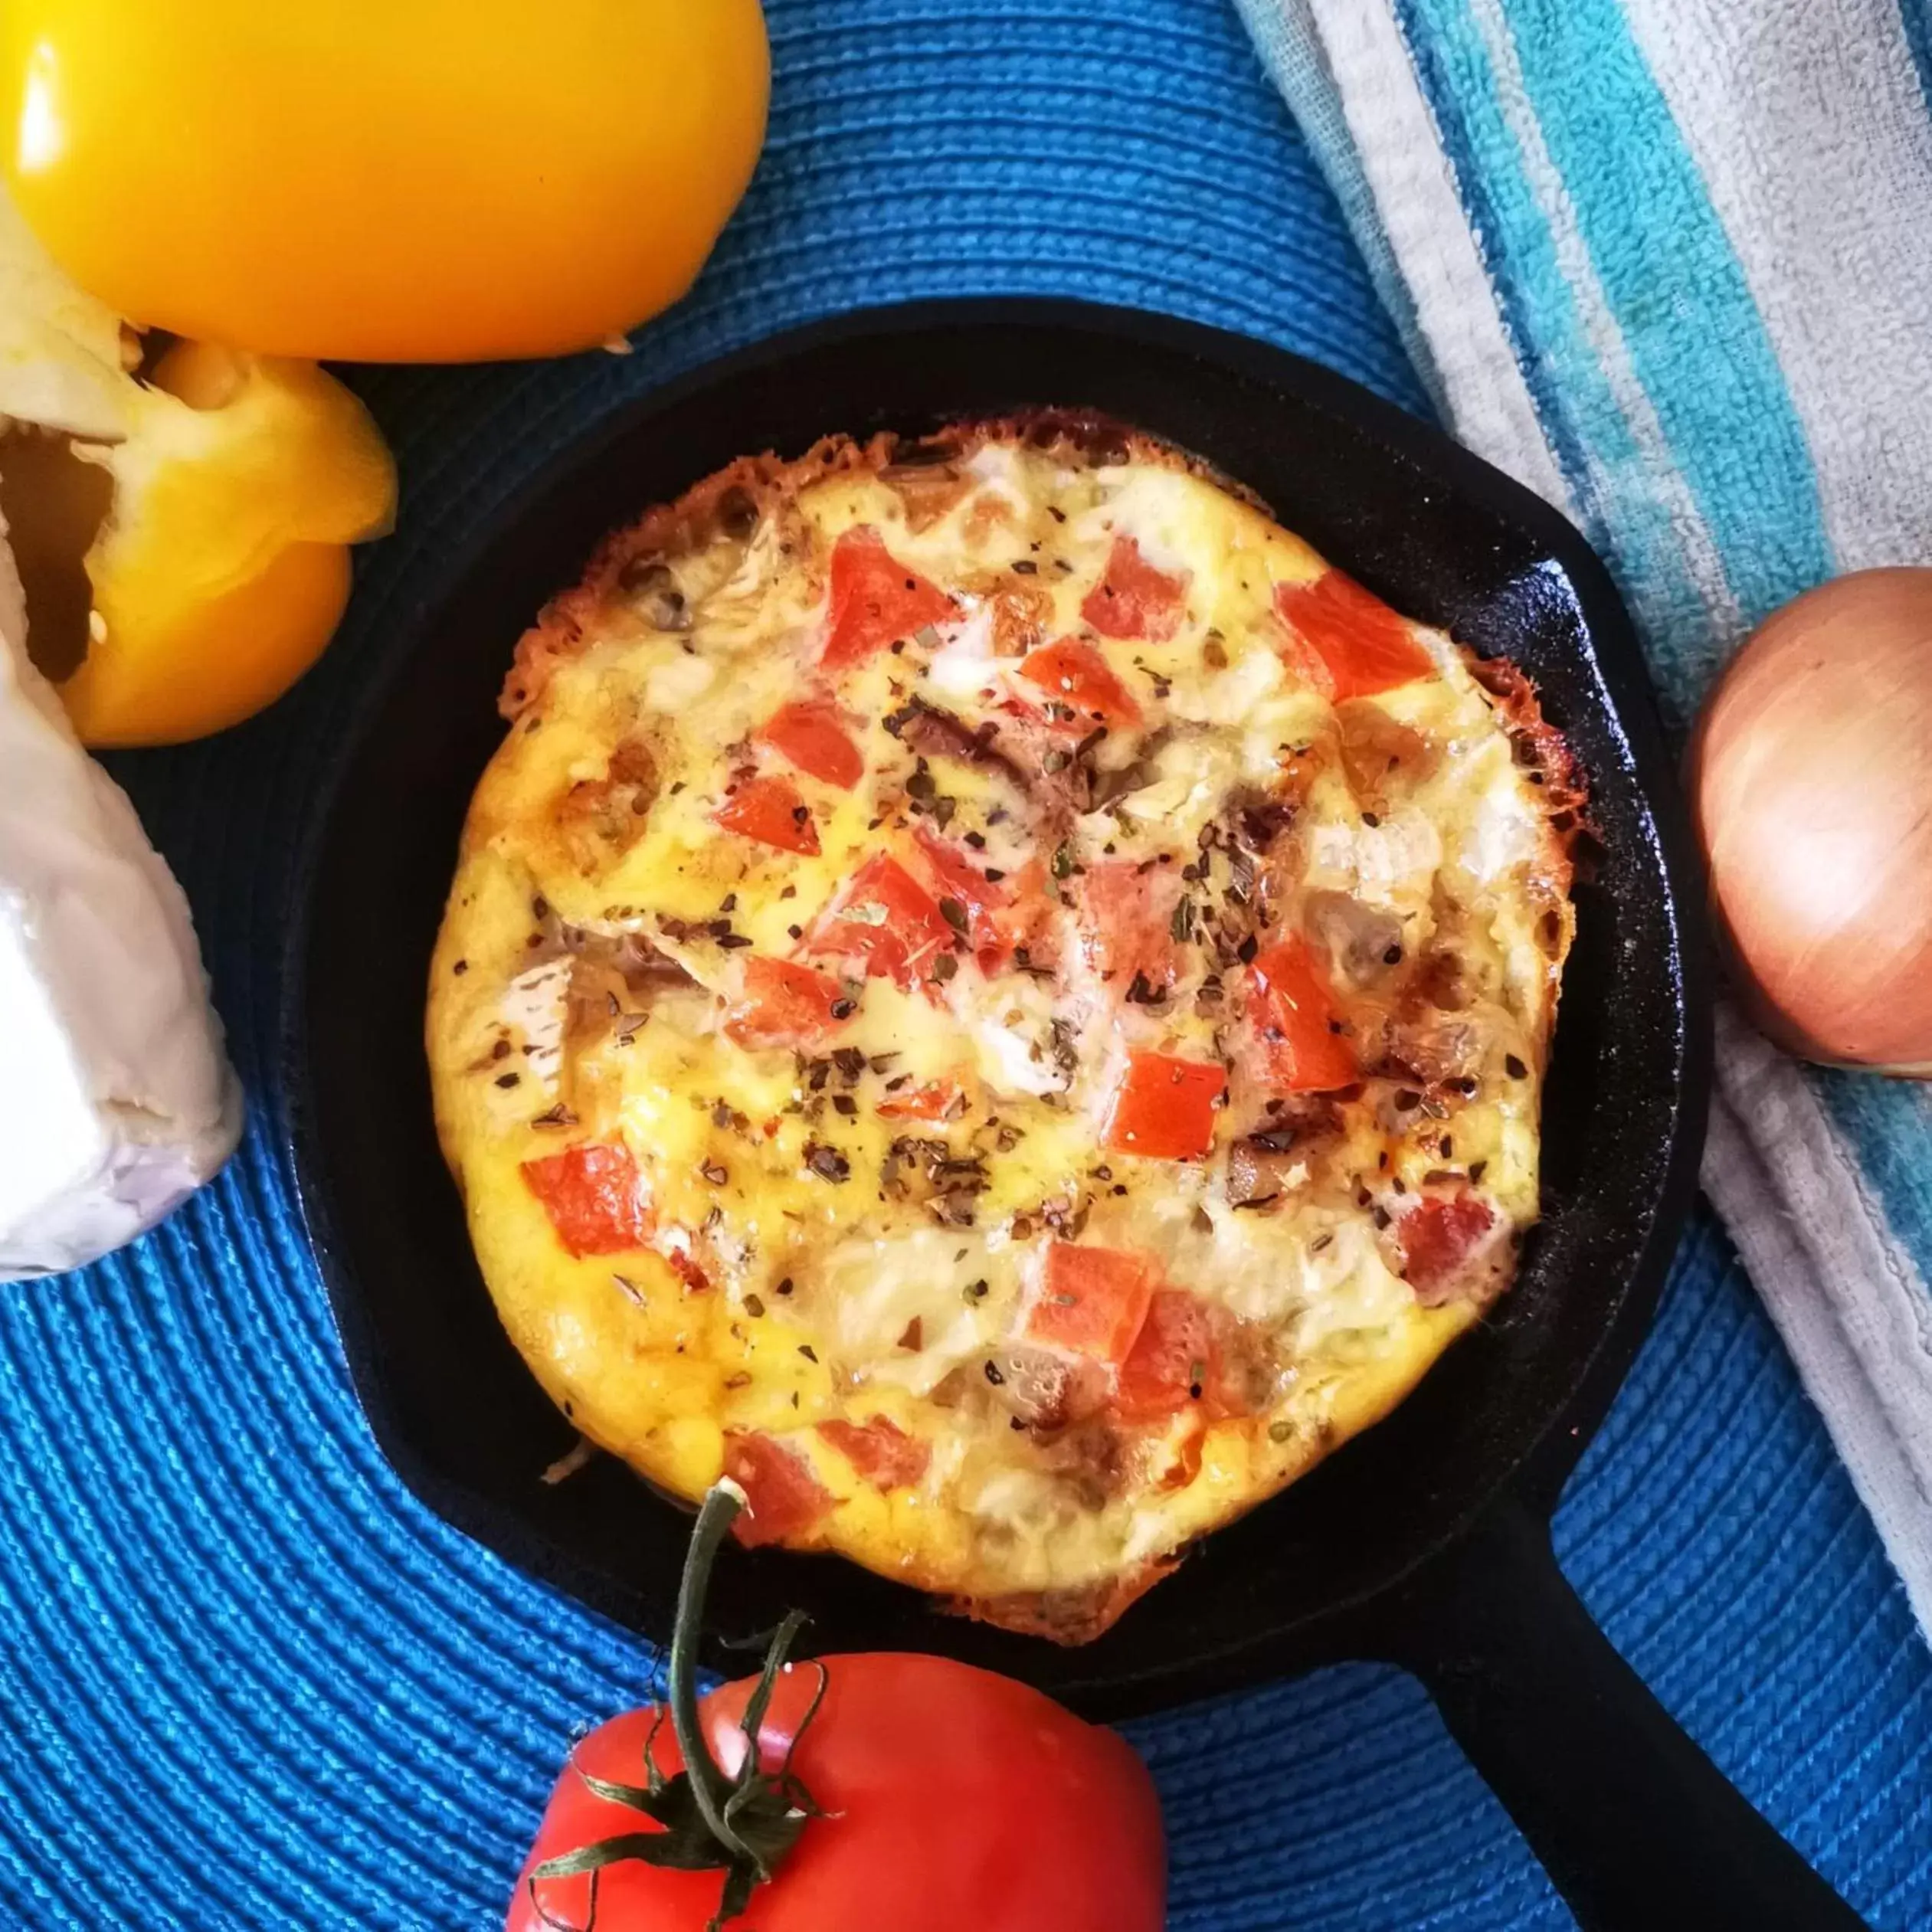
709,1787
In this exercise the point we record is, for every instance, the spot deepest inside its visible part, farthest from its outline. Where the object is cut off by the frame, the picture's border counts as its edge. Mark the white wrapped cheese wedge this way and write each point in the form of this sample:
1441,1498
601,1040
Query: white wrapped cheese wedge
116,1100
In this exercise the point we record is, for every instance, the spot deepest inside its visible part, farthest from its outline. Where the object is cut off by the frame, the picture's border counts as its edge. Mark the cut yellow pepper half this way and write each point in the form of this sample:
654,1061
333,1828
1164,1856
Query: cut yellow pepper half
211,500
222,568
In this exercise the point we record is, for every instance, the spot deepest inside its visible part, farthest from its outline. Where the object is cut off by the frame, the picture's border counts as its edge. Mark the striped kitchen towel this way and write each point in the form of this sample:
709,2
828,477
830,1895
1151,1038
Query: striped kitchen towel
1669,263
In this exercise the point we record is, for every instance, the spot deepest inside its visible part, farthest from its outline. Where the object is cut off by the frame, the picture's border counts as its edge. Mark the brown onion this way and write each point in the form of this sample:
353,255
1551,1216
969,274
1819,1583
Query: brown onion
1811,783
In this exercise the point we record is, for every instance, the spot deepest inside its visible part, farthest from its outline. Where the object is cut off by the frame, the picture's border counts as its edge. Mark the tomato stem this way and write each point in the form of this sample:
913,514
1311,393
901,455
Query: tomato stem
706,1821
709,1787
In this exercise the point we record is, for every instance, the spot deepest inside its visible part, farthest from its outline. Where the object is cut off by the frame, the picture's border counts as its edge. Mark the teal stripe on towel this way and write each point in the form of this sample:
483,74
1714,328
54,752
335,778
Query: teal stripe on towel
1594,442
1695,337
1694,340
1889,1123
1918,17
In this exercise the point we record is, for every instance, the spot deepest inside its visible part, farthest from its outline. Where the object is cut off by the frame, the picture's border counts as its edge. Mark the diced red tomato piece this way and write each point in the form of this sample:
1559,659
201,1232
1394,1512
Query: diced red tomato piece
1356,645
934,1101
1133,599
1190,1356
1074,674
1026,919
594,1196
880,1451
1436,1238
785,1005
1127,922
1092,1301
1003,914
1295,1019
811,734
1164,1107
770,810
887,919
785,1498
1174,1361
960,876
876,600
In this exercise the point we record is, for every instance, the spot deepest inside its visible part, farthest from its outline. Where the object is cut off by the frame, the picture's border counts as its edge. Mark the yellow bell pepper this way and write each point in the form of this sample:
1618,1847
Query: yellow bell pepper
382,180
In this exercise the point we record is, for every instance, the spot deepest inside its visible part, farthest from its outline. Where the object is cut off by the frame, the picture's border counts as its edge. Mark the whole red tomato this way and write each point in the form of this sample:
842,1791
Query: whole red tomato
959,1801
935,1798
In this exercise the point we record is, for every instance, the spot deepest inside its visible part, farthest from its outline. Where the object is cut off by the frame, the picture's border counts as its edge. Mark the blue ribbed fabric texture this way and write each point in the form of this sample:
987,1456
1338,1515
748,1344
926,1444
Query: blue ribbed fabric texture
246,1681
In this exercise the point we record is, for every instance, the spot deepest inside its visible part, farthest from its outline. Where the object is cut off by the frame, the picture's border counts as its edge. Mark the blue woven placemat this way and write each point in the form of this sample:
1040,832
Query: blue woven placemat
246,1681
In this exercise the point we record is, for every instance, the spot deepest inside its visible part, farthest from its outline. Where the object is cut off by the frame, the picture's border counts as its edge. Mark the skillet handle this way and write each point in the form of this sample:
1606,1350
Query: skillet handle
1636,1826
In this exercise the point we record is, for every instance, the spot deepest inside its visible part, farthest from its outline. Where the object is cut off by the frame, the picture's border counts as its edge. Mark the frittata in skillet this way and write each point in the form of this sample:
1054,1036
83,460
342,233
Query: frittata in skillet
991,995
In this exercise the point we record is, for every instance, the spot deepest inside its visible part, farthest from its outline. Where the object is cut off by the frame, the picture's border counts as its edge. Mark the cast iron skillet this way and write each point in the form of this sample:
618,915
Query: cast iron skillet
1425,1541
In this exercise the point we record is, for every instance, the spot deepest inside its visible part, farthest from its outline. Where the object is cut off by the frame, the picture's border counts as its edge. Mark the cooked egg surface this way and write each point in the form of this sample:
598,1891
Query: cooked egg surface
992,995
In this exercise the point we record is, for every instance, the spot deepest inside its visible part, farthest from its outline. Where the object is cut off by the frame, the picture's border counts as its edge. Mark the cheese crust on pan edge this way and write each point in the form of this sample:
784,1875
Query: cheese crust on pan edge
991,995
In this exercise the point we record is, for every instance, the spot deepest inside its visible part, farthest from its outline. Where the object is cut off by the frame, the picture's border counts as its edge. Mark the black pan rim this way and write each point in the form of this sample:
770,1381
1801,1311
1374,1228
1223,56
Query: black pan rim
1542,1468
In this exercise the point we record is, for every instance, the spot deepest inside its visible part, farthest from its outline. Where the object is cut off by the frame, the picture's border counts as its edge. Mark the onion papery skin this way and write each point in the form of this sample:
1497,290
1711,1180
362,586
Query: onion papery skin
1810,776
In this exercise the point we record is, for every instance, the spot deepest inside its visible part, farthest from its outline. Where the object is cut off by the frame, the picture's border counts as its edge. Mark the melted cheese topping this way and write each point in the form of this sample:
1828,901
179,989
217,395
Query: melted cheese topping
800,1251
